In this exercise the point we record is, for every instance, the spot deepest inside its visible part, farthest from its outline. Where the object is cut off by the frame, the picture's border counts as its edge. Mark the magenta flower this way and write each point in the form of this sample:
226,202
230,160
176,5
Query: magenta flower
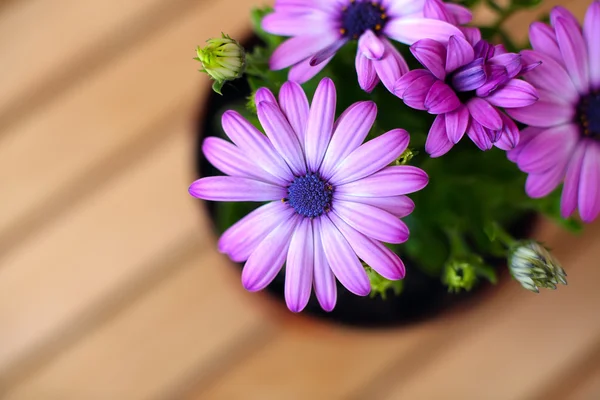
320,28
562,142
463,85
332,201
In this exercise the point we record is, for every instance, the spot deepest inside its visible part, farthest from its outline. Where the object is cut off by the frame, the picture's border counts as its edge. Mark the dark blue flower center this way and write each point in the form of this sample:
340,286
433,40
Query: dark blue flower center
589,115
310,195
362,15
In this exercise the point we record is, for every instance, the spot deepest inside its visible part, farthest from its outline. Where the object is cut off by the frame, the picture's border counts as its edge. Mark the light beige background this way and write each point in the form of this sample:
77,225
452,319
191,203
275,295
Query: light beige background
110,285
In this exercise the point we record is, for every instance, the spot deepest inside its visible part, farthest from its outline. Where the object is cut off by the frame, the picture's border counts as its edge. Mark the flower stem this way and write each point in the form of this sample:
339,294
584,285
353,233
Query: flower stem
505,237
458,247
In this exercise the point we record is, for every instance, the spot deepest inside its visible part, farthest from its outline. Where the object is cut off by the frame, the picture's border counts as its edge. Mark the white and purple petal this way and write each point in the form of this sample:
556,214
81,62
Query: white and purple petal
299,48
432,55
552,146
294,104
320,124
399,205
371,157
303,71
249,140
391,66
479,135
242,238
515,93
376,255
469,77
324,282
372,221
570,193
230,160
232,188
390,181
366,73
266,261
574,52
438,143
343,260
409,30
484,113
299,267
441,99
460,52
591,33
371,46
548,111
282,135
350,130
543,40
416,92
457,122
589,182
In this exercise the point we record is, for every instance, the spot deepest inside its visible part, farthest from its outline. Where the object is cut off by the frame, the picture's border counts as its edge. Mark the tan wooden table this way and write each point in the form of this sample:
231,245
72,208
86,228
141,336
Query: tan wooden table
109,275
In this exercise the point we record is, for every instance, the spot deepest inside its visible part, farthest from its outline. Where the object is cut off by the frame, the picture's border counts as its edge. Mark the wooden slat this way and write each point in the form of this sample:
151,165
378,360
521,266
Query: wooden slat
579,380
519,348
46,156
72,265
589,389
318,363
181,328
44,42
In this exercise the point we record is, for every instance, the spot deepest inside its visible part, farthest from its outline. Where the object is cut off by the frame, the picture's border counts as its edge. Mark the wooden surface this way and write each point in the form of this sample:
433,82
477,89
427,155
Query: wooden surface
110,284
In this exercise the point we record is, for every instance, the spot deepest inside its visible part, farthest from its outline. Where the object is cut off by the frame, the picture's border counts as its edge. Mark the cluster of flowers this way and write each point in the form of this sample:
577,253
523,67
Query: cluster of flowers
332,200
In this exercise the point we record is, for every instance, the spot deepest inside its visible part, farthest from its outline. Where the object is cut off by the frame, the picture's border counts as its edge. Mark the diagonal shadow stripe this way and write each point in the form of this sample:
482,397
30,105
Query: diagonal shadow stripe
90,181
578,373
148,24
172,261
205,374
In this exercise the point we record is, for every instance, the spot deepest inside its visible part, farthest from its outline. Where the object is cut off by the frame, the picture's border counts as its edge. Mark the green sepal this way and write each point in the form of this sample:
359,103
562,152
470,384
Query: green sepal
217,86
381,286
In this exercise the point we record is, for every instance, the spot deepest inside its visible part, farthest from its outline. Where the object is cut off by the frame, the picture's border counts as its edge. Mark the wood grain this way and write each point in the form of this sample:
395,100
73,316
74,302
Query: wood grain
72,265
110,284
47,44
192,316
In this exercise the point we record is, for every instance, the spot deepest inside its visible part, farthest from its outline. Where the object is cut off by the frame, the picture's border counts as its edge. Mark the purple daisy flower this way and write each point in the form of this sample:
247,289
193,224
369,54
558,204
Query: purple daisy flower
332,200
562,142
463,84
320,28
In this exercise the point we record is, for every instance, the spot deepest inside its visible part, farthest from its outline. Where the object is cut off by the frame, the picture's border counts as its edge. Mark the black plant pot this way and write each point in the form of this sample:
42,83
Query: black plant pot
423,297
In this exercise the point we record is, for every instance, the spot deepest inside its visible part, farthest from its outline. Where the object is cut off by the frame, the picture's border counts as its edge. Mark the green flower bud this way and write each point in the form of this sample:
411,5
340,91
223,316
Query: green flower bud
533,266
406,156
251,103
223,59
381,285
459,275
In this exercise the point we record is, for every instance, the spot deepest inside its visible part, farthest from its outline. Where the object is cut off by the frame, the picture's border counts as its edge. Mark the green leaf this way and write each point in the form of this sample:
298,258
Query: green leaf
491,231
486,272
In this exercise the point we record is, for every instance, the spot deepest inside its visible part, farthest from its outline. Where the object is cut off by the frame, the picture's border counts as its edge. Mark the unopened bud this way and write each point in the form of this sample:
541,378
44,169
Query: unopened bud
223,59
459,275
533,266
380,286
